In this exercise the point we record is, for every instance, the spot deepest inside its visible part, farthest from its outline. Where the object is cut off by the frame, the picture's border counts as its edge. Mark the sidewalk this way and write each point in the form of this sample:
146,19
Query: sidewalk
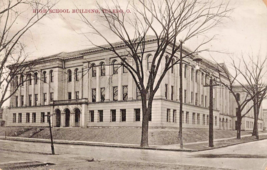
173,147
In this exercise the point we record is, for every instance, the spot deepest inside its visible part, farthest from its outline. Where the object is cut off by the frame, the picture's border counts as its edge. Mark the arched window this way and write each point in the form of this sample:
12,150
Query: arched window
172,69
44,74
93,70
51,76
76,74
149,61
166,60
69,76
29,78
21,79
102,69
192,74
115,66
17,80
35,78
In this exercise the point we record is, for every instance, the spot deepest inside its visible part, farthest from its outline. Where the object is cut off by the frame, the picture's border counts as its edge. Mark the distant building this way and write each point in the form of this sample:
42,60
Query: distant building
87,88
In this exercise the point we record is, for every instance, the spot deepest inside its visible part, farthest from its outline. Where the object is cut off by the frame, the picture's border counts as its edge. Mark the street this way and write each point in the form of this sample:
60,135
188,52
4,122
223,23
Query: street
245,156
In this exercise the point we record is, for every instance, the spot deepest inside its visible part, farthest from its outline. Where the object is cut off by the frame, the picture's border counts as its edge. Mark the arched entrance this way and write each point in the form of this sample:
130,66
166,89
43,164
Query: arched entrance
77,117
67,117
58,118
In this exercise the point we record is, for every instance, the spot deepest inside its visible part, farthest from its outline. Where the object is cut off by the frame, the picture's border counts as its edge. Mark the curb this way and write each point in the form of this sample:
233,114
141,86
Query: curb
66,142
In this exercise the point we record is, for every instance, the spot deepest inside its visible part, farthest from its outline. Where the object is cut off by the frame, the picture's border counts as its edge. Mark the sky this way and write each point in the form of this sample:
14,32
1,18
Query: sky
244,32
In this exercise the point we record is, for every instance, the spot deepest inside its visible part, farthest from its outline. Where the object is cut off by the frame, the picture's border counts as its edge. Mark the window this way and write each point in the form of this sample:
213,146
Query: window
172,93
187,118
216,121
93,95
125,92
102,91
196,102
174,116
76,74
149,61
102,69
27,117
115,93
184,96
113,115
194,118
36,99
17,101
185,68
192,97
48,116
22,80
22,100
198,119
33,117
17,80
77,95
42,117
44,75
204,117
192,74
20,118
93,70
92,115
35,78
14,118
168,115
45,98
123,115
166,91
137,115
51,76
69,95
115,66
29,78
30,100
100,113
51,96
207,119
138,94
69,76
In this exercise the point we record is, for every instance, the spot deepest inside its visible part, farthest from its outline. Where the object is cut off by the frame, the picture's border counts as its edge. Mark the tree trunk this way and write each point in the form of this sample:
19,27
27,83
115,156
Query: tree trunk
255,120
239,122
145,115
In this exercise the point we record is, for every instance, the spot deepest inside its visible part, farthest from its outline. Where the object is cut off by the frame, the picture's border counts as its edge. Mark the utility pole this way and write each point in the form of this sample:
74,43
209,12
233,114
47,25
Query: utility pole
181,98
51,136
211,114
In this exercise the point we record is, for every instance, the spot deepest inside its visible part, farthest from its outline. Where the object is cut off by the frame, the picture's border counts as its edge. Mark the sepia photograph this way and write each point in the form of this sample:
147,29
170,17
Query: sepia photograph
133,84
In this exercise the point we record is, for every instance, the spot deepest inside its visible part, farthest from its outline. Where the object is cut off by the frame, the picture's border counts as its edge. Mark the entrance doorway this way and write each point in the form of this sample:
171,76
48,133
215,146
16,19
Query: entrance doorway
77,117
67,117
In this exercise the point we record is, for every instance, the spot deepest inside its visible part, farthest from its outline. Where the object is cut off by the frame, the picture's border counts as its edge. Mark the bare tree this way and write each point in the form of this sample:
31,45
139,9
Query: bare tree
254,74
238,87
164,22
12,53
